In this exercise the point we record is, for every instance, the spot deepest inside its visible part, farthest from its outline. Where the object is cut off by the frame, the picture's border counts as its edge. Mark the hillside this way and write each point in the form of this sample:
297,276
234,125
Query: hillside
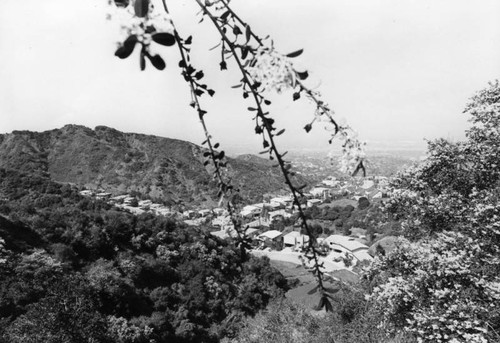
166,169
76,269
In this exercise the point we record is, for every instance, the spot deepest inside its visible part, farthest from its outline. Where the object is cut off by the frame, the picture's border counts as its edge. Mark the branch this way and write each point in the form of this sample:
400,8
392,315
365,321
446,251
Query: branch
268,127
224,186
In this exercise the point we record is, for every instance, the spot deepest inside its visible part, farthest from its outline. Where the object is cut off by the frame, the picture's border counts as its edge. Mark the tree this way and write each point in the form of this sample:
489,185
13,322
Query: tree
67,314
363,203
442,282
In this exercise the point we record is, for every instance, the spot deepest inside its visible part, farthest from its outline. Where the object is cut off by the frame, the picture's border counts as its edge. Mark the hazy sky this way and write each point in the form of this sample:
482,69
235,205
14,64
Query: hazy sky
398,71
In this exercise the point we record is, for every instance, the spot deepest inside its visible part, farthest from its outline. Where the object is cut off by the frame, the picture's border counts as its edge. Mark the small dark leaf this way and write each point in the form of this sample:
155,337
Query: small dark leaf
280,132
199,74
245,95
150,29
221,155
236,86
308,127
296,96
142,60
206,154
223,65
121,3
244,52
225,15
295,53
164,38
264,151
236,30
332,290
214,47
157,61
182,64
216,145
211,92
328,305
265,144
267,102
201,113
303,75
127,48
188,40
141,8
314,290
198,92
248,32
258,129
206,162
252,109
321,304
256,85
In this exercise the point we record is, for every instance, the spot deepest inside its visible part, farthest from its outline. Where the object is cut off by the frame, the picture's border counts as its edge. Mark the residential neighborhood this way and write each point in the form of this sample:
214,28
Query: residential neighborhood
285,242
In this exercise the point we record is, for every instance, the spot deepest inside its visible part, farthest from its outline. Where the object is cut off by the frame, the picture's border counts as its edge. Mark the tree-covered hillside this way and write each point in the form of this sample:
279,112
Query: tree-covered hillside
168,170
73,269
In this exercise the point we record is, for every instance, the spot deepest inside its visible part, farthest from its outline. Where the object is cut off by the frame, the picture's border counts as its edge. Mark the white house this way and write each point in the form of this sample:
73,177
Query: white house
204,213
313,202
271,234
284,201
350,243
341,244
321,192
250,211
294,239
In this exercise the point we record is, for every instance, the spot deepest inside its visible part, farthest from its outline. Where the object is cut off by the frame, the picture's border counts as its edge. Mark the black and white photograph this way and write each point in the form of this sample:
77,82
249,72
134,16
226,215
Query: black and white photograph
235,171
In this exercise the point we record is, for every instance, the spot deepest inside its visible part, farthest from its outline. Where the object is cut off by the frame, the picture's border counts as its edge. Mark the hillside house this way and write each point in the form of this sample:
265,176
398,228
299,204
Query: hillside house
204,213
259,222
229,232
339,243
118,199
251,211
313,202
320,192
295,239
272,239
103,196
283,201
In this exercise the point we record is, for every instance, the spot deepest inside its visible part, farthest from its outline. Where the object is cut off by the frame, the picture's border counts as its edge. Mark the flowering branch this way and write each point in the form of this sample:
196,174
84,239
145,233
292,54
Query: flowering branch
265,125
262,68
352,148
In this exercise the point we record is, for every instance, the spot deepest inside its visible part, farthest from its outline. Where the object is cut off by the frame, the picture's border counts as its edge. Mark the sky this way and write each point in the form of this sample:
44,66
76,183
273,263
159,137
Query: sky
398,71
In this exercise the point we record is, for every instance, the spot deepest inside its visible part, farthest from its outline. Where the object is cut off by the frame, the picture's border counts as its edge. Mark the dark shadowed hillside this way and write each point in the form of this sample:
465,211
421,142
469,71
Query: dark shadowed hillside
161,168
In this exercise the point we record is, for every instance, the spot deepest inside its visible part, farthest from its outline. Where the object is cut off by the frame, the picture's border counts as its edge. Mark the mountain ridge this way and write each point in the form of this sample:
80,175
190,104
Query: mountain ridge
161,168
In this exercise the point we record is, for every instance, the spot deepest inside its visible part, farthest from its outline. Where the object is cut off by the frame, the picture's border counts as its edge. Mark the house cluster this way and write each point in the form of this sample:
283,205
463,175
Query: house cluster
258,218
372,187
129,203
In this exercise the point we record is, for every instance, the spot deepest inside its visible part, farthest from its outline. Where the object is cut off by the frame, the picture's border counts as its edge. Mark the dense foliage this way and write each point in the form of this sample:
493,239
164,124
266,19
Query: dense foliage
92,273
352,320
442,283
